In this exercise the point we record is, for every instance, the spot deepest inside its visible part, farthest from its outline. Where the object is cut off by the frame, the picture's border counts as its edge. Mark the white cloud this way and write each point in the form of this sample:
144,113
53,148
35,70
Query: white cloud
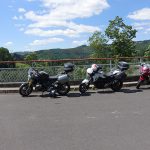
69,9
46,41
15,18
18,18
57,18
144,27
50,33
21,10
21,29
72,30
142,14
141,25
8,43
60,14
78,43
142,17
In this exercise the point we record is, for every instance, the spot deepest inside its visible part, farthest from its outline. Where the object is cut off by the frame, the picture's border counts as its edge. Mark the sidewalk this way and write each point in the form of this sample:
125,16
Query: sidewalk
10,89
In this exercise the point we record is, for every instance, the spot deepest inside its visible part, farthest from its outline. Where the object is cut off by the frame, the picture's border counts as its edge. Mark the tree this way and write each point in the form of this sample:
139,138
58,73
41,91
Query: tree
5,56
147,52
31,56
122,37
98,43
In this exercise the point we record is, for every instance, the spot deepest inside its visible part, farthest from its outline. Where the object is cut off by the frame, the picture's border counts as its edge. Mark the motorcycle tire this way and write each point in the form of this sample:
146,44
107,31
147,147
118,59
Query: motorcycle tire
83,88
139,84
52,92
63,89
25,89
117,86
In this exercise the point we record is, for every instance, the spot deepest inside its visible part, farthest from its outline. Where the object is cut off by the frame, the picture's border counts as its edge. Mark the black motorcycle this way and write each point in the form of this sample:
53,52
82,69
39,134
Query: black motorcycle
100,80
41,81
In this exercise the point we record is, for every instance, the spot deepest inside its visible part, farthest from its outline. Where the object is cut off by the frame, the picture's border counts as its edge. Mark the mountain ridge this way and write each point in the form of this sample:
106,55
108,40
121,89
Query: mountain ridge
82,51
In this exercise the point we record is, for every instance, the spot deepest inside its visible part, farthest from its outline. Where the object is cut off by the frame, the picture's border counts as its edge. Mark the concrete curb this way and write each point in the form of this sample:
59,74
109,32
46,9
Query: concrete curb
73,88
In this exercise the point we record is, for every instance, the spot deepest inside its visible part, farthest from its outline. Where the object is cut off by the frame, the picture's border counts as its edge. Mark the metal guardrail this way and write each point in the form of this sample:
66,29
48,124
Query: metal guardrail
54,67
20,74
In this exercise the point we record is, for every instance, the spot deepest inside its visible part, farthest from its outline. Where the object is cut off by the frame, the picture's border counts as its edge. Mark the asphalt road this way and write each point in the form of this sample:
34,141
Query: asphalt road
96,121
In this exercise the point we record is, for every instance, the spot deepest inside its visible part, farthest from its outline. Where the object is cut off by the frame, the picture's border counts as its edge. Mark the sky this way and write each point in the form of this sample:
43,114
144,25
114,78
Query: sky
29,25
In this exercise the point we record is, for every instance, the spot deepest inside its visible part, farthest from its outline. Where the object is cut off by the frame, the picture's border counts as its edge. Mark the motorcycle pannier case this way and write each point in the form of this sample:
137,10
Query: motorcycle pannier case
122,65
68,67
63,78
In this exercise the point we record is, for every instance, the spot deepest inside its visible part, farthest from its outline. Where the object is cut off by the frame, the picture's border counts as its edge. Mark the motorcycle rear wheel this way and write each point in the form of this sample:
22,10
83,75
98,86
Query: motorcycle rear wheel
63,89
117,86
25,89
83,88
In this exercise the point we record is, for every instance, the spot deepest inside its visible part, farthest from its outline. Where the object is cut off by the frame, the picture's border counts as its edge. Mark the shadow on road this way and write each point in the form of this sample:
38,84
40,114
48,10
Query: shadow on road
105,92
47,95
42,96
130,90
79,94
122,90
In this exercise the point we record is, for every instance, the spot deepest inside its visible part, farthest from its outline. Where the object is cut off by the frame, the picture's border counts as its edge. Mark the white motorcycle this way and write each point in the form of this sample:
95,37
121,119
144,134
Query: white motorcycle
114,79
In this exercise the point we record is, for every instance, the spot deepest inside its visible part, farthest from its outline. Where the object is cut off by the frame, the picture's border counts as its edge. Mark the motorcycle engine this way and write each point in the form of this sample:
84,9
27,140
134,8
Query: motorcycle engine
38,88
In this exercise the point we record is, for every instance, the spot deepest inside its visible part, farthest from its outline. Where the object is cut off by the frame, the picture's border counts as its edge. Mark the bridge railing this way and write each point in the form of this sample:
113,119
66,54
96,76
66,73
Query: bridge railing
16,71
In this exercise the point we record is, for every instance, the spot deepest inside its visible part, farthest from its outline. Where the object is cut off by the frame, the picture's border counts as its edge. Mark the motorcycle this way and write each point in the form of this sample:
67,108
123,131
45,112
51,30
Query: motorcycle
41,81
144,74
114,79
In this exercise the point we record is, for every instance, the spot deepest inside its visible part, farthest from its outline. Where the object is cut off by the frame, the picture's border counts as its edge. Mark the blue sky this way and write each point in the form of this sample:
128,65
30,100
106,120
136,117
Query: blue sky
29,25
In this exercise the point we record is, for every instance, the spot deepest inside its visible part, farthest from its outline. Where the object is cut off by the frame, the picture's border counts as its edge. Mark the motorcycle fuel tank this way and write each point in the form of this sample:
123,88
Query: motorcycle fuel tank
63,78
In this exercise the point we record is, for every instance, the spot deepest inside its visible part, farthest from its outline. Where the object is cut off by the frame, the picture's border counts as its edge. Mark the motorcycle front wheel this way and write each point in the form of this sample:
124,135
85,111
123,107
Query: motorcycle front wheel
83,88
63,89
25,89
117,86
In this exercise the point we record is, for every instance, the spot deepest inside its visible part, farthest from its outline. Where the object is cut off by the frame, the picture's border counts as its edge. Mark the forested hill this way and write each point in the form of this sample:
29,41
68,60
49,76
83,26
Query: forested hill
70,53
141,47
77,52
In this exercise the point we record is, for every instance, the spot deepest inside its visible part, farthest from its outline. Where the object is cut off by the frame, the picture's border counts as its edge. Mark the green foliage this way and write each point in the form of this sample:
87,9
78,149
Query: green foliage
122,37
31,56
22,65
142,47
82,52
17,57
5,56
147,52
70,53
79,72
98,43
